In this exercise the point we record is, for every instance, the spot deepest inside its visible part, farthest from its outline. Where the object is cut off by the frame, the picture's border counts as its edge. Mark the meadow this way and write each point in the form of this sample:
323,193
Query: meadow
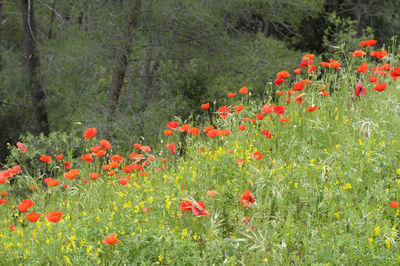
307,175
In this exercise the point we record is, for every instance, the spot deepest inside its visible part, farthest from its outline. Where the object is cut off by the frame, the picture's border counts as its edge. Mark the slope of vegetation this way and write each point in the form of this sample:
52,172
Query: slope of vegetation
308,176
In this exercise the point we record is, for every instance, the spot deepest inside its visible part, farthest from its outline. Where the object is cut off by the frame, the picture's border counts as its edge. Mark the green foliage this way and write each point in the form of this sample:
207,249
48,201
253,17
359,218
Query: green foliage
68,143
341,31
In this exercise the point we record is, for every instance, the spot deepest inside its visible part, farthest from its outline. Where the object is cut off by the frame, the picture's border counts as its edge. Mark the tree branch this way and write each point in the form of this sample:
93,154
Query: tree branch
10,103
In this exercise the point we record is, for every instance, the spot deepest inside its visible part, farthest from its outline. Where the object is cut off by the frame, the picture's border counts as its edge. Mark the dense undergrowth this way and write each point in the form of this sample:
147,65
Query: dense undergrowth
308,176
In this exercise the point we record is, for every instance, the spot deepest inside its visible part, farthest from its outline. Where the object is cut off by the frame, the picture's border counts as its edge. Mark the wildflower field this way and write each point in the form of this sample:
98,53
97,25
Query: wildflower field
308,175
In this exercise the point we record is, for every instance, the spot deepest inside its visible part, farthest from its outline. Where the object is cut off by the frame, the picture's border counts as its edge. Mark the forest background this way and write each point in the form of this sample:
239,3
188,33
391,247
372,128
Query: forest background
128,67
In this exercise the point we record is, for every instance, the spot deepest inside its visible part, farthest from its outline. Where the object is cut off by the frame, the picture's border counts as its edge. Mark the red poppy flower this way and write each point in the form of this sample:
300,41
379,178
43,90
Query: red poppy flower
198,208
278,81
299,86
359,53
368,43
378,54
15,169
100,153
59,157
299,99
184,128
105,144
117,158
22,147
172,125
54,216
242,127
363,68
231,94
185,206
373,79
168,132
311,108
123,181
72,174
138,145
205,106
260,116
194,131
244,90
67,165
51,182
146,149
110,240
395,73
94,175
297,71
267,109
387,67
394,204
225,132
247,198
145,209
333,64
311,69
90,133
284,119
380,87
32,188
266,133
172,147
25,205
325,93
240,162
257,155
283,74
87,157
33,217
360,91
212,193
280,93
114,164
238,108
279,109
4,194
214,133
223,111
46,159
324,64
207,129
12,227
307,60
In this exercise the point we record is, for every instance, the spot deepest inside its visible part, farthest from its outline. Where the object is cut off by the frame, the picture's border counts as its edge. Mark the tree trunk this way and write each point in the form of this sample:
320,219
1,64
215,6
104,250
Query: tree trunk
358,14
122,63
149,68
52,20
41,123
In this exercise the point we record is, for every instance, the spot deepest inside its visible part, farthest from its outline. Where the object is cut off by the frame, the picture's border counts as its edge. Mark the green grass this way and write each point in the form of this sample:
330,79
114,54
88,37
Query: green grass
321,192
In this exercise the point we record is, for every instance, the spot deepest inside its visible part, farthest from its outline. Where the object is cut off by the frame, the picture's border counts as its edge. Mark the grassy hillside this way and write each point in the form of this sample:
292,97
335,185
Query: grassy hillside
308,176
